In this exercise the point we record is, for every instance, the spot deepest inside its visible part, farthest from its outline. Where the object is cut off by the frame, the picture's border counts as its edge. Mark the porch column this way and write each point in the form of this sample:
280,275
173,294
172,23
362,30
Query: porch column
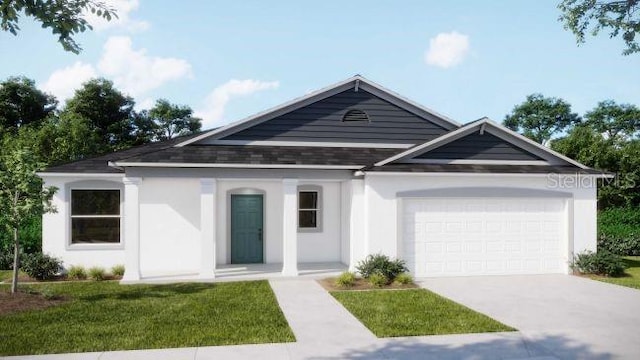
357,229
131,229
290,227
207,228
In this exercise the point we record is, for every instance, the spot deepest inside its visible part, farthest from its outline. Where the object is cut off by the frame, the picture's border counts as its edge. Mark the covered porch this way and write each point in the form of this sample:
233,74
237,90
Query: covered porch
285,249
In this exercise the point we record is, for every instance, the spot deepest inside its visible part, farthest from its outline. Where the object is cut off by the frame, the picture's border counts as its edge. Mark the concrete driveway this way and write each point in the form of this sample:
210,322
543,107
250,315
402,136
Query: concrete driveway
560,316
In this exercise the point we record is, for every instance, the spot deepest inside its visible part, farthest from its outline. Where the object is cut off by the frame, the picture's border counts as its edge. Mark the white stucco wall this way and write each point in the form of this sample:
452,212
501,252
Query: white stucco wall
56,227
169,226
382,205
324,245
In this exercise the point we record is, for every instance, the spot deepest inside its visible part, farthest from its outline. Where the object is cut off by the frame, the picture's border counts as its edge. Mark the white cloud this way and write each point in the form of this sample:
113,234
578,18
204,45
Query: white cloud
63,82
447,49
124,21
134,71
214,104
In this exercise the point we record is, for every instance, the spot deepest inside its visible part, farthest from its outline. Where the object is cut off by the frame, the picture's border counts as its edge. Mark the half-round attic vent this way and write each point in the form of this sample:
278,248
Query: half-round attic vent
355,115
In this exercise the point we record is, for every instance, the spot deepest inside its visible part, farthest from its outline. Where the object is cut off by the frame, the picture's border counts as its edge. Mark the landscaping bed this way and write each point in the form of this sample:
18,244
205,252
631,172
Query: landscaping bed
106,316
361,284
414,312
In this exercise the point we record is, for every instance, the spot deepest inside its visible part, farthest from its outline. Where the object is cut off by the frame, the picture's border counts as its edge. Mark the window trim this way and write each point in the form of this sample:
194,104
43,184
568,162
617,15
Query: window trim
319,210
93,185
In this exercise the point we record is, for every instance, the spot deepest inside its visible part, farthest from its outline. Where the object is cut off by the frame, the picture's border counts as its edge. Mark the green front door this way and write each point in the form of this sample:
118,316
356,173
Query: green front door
246,229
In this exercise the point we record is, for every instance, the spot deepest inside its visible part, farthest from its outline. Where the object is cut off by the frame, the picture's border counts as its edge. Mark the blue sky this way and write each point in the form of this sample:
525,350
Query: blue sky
230,59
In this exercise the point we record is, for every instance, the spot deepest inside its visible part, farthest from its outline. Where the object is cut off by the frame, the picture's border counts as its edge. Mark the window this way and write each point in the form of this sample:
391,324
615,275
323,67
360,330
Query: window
309,200
95,216
355,115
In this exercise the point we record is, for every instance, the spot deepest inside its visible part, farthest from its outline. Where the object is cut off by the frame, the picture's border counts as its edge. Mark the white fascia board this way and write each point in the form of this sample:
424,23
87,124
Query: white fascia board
433,143
534,144
236,166
476,162
272,112
311,144
404,102
317,95
469,174
81,175
469,128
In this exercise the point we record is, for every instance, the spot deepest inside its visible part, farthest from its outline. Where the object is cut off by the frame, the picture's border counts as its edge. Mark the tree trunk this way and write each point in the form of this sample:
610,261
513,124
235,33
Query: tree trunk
16,261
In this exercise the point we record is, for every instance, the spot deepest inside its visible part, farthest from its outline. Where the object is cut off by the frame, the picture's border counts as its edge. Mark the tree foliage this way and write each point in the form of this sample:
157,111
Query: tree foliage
614,120
619,155
21,103
173,120
106,110
620,17
66,18
540,118
22,195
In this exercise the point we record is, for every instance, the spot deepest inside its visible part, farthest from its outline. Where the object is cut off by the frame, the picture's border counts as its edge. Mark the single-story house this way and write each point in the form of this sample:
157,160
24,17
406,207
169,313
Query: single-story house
350,170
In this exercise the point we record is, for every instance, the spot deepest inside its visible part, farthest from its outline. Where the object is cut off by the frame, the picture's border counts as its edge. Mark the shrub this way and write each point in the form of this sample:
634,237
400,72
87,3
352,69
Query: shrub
97,273
117,270
600,263
40,266
619,230
382,265
77,273
346,279
6,260
620,245
377,280
404,279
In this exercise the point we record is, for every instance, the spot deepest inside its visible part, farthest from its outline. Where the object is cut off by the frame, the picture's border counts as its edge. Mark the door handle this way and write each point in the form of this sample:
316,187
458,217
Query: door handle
260,234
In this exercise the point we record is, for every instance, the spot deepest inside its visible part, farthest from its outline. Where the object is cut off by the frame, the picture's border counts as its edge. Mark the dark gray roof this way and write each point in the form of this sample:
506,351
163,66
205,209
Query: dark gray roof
484,168
263,155
100,164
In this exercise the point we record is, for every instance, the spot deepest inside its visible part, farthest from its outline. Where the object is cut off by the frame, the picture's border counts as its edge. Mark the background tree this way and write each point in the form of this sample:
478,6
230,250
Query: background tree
108,112
66,18
614,120
173,120
21,103
22,196
540,118
618,16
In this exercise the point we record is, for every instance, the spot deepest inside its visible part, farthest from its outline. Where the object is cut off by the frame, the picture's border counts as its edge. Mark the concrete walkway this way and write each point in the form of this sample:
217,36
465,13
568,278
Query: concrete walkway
325,330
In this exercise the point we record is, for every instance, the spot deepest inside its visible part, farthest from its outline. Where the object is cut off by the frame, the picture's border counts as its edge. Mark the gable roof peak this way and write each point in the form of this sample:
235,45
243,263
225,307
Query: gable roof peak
355,82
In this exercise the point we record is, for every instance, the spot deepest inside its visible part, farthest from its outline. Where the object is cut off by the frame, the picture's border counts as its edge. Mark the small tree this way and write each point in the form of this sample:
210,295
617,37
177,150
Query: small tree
22,196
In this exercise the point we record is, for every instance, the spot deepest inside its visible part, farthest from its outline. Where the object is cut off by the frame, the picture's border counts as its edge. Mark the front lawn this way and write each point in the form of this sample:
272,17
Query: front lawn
631,276
413,312
103,316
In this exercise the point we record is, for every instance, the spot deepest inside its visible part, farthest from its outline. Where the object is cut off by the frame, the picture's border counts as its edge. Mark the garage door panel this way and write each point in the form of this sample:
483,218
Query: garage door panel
453,237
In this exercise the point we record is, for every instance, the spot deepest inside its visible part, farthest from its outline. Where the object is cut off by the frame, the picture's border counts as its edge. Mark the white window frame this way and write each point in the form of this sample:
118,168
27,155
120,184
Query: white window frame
318,190
98,186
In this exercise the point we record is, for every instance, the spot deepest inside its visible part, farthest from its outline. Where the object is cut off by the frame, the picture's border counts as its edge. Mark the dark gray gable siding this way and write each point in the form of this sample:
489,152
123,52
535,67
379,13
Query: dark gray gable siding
479,147
322,122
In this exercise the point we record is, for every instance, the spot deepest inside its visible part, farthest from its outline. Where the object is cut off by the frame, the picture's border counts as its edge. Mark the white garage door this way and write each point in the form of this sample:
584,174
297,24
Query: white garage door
484,236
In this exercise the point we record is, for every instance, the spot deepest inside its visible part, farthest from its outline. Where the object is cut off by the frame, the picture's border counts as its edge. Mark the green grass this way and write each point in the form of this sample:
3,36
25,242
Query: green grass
632,274
414,312
5,275
107,316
